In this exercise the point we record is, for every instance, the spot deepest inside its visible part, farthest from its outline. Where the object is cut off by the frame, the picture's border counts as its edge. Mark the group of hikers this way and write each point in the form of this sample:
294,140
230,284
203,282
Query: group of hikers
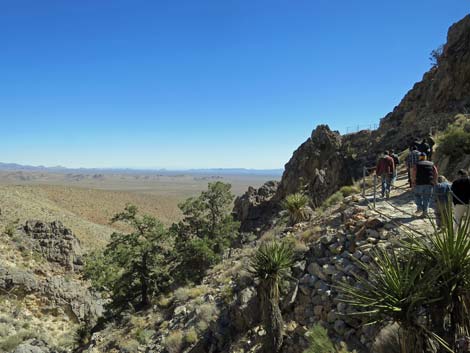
426,183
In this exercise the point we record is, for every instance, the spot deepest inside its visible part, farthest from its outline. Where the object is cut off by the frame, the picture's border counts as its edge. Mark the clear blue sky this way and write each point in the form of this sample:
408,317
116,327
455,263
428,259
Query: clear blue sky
202,83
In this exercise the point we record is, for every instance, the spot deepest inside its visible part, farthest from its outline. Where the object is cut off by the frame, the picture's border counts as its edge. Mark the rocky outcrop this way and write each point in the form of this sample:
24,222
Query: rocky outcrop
318,167
254,208
75,299
432,103
55,243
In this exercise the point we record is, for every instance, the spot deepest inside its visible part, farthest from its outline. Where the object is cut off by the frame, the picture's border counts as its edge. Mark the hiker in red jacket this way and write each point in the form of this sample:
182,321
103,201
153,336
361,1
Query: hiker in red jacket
385,169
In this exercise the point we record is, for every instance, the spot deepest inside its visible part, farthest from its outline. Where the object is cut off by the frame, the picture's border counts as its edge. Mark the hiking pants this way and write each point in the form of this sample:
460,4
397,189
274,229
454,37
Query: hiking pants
423,194
386,183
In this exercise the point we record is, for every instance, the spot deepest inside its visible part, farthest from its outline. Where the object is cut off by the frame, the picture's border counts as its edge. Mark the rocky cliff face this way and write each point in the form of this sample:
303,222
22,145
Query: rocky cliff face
327,160
432,103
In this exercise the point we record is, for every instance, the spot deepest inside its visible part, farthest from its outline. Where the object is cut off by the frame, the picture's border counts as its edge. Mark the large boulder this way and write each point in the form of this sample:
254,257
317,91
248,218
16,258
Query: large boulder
254,208
54,242
318,167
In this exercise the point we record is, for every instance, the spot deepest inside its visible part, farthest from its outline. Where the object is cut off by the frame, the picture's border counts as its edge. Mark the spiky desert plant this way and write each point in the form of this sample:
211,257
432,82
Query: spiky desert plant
296,205
271,264
396,286
447,249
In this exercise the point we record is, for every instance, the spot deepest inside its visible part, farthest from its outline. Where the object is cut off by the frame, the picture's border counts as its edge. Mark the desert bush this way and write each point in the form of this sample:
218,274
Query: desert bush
143,336
174,341
164,301
297,245
334,199
454,142
129,346
183,294
207,312
349,190
202,326
10,228
9,343
227,293
319,342
190,336
296,206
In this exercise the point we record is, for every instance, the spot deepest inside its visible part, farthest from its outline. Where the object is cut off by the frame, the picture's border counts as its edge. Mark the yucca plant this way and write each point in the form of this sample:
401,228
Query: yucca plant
271,264
397,288
296,205
447,249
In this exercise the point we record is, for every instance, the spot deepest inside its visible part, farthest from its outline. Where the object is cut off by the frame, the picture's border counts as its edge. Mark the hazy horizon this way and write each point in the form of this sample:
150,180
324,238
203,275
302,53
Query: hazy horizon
203,85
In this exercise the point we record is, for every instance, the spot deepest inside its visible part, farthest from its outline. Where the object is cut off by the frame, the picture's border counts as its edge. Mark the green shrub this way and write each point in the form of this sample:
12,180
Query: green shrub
191,336
296,205
334,199
10,228
143,336
349,190
455,142
319,342
174,341
183,294
10,343
207,312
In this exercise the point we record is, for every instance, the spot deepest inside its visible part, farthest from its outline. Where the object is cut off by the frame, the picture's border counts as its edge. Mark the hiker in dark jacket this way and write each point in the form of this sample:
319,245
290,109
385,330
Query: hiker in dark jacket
396,160
461,195
423,179
442,193
424,147
385,169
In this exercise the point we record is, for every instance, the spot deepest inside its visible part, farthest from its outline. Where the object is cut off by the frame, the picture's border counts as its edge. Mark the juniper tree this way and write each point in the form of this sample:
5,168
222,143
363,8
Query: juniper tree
136,265
206,230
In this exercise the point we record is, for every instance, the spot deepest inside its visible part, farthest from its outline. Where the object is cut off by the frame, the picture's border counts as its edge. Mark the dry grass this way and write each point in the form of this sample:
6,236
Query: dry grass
174,341
184,294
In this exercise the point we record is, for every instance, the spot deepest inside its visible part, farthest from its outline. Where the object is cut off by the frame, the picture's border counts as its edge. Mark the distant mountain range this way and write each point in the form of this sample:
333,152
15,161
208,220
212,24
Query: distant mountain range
209,171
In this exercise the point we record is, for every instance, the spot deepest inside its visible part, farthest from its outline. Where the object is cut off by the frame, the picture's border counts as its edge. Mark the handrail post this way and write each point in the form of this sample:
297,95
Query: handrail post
364,182
375,188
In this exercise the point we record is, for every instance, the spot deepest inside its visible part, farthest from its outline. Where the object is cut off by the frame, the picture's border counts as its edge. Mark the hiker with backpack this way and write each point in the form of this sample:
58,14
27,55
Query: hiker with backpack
423,178
396,160
385,169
